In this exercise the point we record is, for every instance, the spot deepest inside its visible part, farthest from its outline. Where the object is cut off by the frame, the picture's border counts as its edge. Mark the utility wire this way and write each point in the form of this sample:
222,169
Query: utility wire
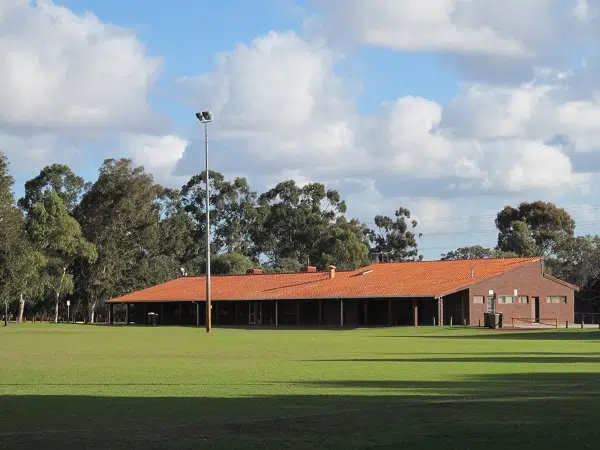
492,216
497,193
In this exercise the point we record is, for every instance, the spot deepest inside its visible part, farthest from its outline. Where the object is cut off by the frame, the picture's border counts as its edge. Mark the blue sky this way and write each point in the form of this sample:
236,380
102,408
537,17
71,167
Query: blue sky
450,110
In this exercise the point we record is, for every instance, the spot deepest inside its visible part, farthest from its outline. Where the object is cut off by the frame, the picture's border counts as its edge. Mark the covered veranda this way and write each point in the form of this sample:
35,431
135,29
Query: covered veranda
347,313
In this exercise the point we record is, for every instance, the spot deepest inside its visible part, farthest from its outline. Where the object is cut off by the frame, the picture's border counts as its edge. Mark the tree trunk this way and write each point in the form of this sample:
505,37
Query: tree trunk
58,294
92,308
56,308
21,308
5,313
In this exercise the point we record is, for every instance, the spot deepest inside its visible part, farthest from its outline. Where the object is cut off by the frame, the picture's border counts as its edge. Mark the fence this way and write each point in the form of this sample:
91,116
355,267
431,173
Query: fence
587,318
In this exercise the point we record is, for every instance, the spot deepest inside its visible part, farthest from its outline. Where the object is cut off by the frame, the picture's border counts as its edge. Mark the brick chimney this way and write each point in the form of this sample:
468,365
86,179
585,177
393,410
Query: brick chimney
332,272
309,269
254,272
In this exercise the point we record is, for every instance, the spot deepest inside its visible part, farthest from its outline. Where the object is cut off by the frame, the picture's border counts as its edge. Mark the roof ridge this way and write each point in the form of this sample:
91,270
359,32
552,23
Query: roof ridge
256,274
532,258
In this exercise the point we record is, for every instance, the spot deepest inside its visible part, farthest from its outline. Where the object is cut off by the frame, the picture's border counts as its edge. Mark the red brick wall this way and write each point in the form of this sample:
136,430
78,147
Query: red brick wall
529,281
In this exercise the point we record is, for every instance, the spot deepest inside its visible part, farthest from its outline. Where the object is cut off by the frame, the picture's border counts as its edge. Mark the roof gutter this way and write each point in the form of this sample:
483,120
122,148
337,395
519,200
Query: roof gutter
337,297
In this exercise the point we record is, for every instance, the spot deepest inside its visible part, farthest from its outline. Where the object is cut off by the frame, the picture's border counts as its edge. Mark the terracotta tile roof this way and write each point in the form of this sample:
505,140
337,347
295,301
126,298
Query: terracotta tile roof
406,279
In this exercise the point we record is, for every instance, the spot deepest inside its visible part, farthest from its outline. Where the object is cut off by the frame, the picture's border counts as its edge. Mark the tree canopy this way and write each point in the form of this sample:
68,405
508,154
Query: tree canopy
476,252
57,178
394,239
533,228
67,238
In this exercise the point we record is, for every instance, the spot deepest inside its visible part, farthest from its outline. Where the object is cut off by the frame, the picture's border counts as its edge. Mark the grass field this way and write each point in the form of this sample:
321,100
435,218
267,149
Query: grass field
77,386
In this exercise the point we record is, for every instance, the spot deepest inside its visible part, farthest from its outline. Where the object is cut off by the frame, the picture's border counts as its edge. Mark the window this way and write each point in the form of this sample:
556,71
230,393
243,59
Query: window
556,299
506,299
523,299
478,299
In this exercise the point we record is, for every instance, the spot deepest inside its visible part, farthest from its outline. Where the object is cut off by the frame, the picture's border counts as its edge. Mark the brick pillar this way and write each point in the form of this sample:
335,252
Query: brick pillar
415,303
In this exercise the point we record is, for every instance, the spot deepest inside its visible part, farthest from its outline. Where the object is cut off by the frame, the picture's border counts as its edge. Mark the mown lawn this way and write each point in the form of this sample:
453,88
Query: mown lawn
78,386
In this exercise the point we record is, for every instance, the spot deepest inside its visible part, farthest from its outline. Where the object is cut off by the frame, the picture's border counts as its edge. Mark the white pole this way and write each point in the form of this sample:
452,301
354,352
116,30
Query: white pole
208,299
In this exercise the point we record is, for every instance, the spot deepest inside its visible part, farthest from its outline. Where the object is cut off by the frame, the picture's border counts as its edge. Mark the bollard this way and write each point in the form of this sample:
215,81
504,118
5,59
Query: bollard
450,320
582,324
567,324
479,322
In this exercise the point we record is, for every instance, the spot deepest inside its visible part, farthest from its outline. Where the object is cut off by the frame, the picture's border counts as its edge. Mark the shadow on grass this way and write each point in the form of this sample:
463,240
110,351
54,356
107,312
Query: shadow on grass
524,359
518,411
534,335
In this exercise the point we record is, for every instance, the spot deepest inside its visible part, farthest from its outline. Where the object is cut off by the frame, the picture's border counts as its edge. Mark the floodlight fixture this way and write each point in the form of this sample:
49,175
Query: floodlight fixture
204,116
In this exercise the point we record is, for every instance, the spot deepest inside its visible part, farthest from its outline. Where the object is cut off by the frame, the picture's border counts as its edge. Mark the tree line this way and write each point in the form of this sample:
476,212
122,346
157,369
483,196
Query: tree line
69,239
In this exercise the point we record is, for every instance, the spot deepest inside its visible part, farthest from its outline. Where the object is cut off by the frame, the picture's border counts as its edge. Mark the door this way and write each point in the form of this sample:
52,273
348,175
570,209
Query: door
491,305
255,313
536,302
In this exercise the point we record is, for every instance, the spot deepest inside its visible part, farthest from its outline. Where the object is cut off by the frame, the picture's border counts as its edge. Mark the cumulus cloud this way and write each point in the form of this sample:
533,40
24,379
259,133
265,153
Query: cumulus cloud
280,107
280,100
535,110
71,84
158,154
486,27
415,25
60,70
483,39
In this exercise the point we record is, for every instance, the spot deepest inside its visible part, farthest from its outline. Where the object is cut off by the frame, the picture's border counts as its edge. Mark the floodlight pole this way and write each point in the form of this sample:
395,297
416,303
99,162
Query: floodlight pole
205,117
208,293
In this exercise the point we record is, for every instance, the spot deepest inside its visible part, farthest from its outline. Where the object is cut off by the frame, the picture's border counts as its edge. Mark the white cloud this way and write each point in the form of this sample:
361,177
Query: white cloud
62,70
281,102
158,155
70,82
430,215
282,99
584,213
520,165
582,10
480,39
494,112
536,111
365,200
403,139
37,150
510,28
